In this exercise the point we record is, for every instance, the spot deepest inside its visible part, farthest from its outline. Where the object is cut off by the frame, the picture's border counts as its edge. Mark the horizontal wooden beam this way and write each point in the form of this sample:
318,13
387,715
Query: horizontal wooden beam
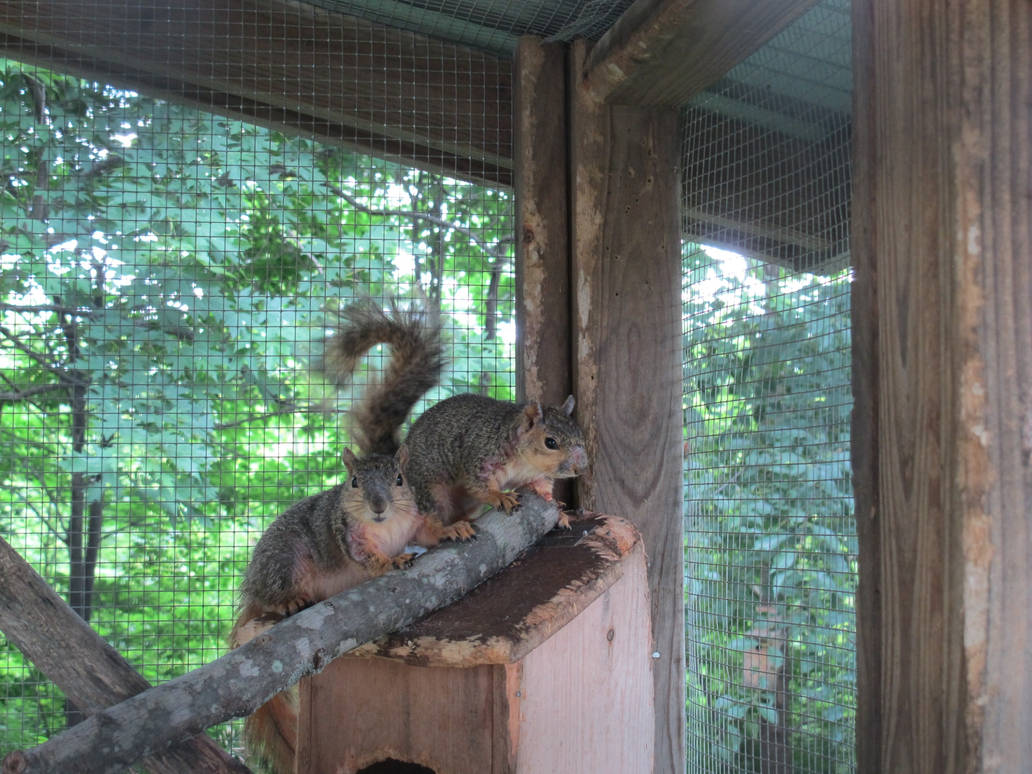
664,52
341,79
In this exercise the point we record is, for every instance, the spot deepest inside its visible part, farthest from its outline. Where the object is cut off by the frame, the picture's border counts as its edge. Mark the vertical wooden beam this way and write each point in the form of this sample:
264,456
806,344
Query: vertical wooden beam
627,345
942,247
542,236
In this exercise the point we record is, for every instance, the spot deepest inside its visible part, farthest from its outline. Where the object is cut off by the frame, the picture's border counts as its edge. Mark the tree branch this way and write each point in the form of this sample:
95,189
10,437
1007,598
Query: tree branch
101,167
40,308
487,247
237,683
66,376
88,670
287,410
28,392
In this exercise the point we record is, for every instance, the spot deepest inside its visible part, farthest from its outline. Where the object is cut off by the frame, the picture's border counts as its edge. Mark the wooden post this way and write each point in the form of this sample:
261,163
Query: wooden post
942,245
627,346
542,231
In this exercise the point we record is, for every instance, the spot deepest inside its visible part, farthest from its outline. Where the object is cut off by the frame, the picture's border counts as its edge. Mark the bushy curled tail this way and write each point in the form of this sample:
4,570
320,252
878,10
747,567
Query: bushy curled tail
417,360
270,733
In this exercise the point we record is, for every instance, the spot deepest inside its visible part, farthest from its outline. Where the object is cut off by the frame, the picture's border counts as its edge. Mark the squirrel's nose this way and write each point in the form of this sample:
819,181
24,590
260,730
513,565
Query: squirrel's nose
579,459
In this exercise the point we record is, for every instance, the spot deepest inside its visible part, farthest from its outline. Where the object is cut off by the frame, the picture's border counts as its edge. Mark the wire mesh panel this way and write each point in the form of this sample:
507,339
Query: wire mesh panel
770,549
165,273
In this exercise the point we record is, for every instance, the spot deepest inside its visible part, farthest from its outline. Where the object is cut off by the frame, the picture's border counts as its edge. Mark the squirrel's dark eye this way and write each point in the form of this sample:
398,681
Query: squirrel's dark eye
399,482
354,482
551,443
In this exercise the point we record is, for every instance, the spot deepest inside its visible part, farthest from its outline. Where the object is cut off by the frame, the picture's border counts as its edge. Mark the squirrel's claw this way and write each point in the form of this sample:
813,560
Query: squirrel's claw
401,561
460,530
507,501
295,606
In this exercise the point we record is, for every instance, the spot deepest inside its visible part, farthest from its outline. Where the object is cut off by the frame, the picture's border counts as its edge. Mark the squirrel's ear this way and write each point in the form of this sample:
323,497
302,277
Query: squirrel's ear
532,414
349,459
568,405
401,456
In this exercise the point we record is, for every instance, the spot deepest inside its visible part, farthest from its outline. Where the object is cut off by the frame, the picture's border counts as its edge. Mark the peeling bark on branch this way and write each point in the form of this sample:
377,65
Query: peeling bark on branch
237,683
90,672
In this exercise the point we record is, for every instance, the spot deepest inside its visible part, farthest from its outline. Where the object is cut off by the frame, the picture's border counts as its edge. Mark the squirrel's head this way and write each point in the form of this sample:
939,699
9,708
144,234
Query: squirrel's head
551,441
376,487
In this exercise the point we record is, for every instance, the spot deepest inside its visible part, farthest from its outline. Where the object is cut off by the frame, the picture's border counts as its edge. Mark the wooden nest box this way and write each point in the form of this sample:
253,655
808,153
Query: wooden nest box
545,667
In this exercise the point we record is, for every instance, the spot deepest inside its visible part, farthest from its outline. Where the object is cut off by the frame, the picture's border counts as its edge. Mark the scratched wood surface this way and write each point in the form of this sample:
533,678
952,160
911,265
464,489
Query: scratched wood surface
943,382
542,221
627,355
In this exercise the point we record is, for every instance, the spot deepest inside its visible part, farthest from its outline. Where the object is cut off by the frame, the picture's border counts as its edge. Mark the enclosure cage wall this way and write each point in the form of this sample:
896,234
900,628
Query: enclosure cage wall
770,540
169,271
184,207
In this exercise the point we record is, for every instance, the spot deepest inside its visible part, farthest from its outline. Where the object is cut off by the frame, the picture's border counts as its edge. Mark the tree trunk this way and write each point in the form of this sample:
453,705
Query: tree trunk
82,539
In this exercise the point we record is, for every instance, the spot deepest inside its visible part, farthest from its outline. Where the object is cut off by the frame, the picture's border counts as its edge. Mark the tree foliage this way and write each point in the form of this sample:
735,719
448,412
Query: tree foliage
163,275
770,541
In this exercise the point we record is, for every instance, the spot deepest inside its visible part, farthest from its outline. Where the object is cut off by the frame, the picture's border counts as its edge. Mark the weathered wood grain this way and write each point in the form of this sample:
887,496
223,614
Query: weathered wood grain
627,344
943,467
602,722
664,52
542,232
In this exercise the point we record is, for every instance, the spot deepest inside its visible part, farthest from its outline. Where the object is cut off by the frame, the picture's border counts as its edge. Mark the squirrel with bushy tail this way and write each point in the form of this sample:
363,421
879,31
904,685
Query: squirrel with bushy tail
462,454
357,530
467,451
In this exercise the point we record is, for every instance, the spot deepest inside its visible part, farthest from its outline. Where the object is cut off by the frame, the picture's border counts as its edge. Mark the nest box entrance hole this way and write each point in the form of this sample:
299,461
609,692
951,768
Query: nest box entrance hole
392,766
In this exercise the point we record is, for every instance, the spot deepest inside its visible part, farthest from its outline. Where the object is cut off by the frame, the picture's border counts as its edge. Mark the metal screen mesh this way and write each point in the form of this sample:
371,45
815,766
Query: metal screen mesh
178,211
494,25
164,272
770,548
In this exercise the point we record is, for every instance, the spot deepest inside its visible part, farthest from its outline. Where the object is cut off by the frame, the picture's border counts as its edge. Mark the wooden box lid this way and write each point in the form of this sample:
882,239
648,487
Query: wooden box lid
509,615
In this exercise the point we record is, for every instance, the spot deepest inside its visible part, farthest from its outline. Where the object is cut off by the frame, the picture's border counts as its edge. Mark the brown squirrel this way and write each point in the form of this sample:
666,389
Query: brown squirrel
320,546
466,451
470,450
336,539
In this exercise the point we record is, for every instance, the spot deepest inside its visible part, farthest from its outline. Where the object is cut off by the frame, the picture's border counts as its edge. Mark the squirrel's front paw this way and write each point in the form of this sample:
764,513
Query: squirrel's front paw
402,561
507,501
460,530
378,564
